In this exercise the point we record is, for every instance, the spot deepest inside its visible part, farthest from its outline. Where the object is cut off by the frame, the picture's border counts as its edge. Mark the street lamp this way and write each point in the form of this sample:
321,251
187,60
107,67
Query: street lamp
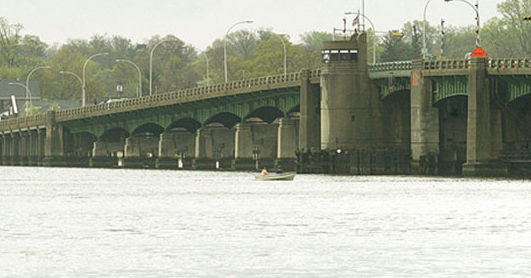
139,89
374,39
28,91
285,53
75,75
207,66
424,48
225,45
83,94
476,9
151,62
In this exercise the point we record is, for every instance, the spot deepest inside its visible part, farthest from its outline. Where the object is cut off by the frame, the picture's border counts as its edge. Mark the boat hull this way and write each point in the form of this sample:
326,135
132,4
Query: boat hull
288,176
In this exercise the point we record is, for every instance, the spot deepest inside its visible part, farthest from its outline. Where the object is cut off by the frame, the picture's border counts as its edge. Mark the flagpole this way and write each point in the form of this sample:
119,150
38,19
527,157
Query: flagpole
363,12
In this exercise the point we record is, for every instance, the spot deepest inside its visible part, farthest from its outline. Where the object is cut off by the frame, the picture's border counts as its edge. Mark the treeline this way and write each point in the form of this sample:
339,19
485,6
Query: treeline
177,64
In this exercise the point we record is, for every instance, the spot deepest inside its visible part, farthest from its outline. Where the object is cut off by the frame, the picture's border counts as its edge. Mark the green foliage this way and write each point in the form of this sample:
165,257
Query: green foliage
178,65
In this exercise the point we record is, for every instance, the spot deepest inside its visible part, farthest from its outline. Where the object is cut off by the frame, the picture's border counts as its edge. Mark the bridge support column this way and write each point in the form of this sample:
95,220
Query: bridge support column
5,149
243,148
203,159
310,114
104,154
167,151
41,136
483,126
23,148
14,146
33,145
54,142
140,152
424,121
287,144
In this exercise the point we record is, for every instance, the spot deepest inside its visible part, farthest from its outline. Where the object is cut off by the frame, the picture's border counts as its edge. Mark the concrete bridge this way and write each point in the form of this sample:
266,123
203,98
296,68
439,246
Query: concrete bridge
455,115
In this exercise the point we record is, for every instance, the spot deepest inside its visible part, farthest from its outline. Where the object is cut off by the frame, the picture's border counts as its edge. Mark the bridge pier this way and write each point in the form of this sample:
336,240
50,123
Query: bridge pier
483,126
175,146
15,149
286,144
3,148
310,114
140,152
424,121
104,154
203,159
243,148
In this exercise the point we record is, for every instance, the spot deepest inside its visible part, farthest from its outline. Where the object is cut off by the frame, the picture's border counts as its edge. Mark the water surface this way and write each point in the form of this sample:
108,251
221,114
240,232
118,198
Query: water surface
57,222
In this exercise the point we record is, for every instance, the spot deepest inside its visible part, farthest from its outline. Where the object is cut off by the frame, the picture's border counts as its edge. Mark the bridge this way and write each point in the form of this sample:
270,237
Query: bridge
446,116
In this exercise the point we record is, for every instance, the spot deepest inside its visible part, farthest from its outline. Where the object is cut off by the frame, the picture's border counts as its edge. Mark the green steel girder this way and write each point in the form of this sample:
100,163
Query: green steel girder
202,110
517,85
449,86
391,85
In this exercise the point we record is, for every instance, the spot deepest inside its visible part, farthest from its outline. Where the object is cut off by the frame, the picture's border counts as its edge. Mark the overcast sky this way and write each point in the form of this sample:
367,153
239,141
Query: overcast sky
200,22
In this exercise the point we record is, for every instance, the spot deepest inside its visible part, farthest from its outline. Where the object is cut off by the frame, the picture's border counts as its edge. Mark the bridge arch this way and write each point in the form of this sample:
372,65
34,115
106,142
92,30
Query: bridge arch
226,119
267,114
148,129
449,86
189,124
115,134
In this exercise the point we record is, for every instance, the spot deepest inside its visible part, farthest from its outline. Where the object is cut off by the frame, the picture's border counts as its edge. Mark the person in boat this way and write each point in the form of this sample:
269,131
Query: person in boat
264,172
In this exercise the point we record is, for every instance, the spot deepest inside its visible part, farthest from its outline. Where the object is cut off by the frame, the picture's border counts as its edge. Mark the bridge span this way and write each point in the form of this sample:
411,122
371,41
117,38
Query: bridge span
445,116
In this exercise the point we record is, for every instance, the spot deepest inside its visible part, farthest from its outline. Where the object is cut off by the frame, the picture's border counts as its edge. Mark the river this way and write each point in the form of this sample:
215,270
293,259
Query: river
60,222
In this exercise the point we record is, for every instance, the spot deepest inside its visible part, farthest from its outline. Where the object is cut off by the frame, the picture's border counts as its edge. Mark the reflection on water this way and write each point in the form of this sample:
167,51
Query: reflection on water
138,223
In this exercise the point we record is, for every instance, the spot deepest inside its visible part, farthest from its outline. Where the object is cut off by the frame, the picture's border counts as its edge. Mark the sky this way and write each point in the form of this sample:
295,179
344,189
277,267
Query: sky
200,22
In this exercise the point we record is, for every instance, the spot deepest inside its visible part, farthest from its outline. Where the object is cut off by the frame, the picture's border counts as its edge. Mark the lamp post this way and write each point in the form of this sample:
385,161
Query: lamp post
75,75
478,23
139,89
285,54
207,66
151,62
225,45
374,39
28,91
83,94
424,48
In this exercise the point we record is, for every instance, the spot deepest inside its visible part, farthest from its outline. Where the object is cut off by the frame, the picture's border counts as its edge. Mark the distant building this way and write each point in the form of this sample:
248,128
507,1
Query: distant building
7,90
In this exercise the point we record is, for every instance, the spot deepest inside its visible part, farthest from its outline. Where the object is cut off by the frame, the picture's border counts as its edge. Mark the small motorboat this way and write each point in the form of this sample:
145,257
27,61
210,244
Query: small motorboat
287,176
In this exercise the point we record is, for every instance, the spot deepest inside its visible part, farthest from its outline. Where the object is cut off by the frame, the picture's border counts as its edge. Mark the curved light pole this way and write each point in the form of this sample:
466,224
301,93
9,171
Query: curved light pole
374,30
424,48
285,53
139,89
225,44
151,62
207,66
75,75
478,23
28,91
83,95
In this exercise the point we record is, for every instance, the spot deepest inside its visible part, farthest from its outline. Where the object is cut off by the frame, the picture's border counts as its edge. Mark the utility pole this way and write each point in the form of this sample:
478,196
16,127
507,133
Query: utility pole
442,38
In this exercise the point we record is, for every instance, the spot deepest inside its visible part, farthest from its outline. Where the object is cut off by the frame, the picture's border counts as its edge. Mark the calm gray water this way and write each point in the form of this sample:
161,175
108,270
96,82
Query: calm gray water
145,223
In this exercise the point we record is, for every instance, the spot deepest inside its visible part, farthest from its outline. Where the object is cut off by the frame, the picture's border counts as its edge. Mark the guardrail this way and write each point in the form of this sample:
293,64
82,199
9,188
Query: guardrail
21,122
446,64
390,66
186,94
510,63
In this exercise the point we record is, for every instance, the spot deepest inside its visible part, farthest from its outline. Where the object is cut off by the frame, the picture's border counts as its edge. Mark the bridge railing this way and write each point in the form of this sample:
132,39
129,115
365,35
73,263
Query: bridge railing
446,64
28,121
509,63
185,94
390,66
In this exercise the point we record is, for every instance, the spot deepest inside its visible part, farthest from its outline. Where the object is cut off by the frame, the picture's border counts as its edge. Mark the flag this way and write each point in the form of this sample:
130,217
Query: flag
356,21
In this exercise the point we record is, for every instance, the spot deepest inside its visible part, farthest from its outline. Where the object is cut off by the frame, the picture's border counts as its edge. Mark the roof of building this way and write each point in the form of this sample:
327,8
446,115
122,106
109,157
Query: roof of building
6,89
